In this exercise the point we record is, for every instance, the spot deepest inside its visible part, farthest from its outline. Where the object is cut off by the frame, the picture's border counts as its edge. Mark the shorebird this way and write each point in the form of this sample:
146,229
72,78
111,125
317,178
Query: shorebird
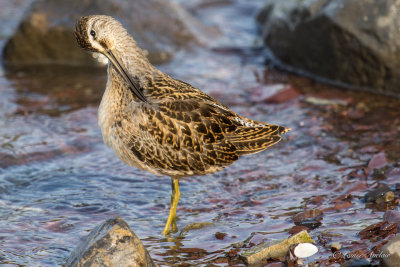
160,124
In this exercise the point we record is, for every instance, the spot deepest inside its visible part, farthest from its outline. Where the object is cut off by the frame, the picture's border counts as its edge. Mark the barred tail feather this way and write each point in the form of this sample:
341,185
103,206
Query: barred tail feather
250,140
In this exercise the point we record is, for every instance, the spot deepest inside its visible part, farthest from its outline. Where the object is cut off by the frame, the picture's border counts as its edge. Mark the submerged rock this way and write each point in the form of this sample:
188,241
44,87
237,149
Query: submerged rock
195,226
46,33
351,42
309,218
378,230
111,243
380,196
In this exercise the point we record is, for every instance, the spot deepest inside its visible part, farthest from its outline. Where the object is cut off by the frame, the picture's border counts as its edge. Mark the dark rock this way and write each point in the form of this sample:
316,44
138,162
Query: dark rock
310,223
46,33
390,253
308,214
380,195
349,42
111,243
220,236
310,218
335,246
378,230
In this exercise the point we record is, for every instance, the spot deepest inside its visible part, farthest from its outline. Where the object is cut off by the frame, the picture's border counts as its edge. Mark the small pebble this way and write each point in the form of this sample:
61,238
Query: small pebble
220,236
317,199
335,246
305,250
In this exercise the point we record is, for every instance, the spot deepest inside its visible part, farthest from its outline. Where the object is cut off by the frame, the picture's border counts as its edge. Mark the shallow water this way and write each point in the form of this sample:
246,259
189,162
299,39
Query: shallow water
58,180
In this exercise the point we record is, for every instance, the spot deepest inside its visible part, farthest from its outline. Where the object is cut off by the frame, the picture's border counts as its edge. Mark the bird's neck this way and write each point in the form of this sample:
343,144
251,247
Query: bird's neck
134,60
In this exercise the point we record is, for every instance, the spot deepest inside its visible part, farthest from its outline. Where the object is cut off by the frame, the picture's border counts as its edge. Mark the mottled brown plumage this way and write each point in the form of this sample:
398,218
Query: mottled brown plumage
161,124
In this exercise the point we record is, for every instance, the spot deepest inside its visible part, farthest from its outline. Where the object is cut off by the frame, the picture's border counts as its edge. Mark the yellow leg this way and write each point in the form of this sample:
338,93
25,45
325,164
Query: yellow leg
171,221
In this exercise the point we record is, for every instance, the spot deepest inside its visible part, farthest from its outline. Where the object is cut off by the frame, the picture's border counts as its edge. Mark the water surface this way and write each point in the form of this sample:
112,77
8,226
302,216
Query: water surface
58,180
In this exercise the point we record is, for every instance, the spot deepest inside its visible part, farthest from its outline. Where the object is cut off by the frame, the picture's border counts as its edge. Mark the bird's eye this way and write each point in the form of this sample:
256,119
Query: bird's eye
93,33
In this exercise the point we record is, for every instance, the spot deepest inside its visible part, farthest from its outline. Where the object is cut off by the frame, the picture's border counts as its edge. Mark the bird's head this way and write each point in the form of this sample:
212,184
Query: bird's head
102,34
96,33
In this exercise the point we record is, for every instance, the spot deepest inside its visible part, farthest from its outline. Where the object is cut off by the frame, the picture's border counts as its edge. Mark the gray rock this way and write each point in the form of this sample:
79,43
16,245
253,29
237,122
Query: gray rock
111,243
46,33
391,253
347,42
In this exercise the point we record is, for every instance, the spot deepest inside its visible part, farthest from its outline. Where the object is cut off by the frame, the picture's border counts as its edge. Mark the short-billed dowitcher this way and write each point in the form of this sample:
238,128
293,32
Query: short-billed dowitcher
160,124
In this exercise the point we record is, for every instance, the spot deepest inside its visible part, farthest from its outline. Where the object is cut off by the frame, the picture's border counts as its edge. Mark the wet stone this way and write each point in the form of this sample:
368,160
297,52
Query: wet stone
378,230
111,243
310,223
335,246
309,214
380,197
378,193
310,218
195,226
220,236
327,39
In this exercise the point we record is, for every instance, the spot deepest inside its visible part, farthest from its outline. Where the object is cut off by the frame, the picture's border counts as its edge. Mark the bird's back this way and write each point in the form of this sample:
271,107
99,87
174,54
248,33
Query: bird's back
182,131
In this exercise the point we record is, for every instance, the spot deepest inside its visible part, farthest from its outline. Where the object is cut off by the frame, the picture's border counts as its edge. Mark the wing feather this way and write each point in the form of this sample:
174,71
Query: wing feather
186,132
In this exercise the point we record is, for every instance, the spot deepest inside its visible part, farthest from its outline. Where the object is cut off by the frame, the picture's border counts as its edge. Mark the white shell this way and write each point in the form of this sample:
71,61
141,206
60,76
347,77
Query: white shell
304,250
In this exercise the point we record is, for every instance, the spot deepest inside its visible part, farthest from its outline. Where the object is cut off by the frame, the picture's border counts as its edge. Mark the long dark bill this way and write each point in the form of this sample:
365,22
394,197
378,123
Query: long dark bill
134,88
